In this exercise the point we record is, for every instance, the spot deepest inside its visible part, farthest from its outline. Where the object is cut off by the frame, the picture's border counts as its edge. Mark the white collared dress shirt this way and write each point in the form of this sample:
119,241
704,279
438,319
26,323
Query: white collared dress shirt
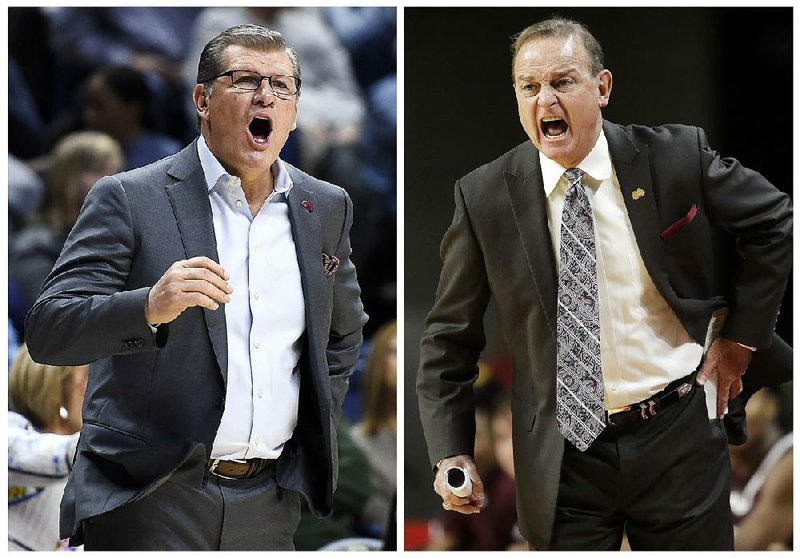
265,318
643,344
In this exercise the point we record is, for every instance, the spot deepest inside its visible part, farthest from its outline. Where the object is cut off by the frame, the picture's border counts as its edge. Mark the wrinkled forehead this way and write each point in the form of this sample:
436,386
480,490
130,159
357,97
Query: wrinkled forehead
238,55
553,54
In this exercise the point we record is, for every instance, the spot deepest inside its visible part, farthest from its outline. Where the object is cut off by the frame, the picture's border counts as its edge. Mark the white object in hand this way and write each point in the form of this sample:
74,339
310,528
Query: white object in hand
458,482
714,328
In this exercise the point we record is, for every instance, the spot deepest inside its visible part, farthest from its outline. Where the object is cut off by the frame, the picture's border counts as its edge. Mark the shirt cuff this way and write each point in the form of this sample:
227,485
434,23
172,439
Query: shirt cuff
752,349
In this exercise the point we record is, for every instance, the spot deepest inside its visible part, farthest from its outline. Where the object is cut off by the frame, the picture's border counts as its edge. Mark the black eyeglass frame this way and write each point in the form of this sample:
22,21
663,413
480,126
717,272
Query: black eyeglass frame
230,73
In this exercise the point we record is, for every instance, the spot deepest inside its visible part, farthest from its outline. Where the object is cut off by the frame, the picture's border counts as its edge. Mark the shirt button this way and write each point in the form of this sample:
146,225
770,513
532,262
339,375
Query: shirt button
238,203
256,296
260,393
258,441
257,344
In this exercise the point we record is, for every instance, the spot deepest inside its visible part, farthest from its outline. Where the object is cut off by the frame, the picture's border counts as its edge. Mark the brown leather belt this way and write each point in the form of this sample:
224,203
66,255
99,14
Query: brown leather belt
650,407
235,469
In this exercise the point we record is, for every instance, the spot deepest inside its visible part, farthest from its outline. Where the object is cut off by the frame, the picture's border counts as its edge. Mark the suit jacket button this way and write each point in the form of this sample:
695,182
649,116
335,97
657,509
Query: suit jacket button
220,402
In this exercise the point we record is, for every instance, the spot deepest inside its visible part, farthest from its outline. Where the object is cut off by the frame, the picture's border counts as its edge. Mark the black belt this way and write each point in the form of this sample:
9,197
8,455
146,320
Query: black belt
238,469
652,406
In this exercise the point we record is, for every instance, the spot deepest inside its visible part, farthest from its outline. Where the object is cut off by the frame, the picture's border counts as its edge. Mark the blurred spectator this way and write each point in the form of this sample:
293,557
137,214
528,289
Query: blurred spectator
353,489
330,107
369,35
152,39
761,484
29,47
78,161
118,104
376,434
26,128
17,308
494,527
42,436
13,342
25,193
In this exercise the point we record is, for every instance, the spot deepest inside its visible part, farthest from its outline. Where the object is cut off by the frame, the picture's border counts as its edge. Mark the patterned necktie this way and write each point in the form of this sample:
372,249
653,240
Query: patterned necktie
580,412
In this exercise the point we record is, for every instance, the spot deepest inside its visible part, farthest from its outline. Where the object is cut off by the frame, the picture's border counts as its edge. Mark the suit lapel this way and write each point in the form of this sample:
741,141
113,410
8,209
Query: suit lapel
633,173
307,235
192,209
526,195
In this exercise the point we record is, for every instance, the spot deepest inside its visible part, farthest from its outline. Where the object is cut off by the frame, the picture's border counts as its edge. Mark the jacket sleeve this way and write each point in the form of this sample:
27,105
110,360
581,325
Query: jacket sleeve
759,216
84,312
452,342
347,317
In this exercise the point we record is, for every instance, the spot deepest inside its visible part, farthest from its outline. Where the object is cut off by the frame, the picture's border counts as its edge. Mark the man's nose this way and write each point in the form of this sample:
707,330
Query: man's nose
264,94
547,97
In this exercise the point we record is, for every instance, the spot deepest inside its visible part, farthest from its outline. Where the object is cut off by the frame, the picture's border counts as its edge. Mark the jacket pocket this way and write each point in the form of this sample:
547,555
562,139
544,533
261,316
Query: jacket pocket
680,224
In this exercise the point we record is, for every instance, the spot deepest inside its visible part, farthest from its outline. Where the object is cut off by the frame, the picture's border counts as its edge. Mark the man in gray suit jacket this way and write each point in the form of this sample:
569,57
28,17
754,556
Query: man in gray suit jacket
214,295
607,251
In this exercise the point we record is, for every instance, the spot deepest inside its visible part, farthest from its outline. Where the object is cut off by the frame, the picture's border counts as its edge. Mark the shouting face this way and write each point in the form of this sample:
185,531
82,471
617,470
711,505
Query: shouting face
558,97
246,130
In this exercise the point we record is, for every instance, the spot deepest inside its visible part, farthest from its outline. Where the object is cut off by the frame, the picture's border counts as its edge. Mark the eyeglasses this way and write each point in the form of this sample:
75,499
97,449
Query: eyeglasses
282,86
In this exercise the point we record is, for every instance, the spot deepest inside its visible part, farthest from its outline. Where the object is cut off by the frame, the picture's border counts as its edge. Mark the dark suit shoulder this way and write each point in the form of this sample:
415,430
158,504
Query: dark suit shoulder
519,161
664,132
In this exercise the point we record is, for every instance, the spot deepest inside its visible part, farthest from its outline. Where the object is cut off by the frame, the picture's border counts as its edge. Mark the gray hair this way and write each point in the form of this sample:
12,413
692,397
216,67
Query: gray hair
558,26
212,59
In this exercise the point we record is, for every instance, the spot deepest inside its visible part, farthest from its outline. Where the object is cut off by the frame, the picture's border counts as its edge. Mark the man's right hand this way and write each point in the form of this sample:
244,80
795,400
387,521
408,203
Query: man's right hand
471,504
198,281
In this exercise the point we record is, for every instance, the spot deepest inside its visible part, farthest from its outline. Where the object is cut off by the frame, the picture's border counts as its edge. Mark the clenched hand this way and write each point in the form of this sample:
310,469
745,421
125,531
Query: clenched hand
198,281
472,503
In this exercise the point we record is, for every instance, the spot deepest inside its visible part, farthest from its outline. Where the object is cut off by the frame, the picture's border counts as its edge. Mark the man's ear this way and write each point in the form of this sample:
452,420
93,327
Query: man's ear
604,88
200,100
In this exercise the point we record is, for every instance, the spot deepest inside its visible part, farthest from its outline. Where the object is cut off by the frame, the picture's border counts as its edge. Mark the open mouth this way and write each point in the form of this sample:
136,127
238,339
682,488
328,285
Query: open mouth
260,128
554,127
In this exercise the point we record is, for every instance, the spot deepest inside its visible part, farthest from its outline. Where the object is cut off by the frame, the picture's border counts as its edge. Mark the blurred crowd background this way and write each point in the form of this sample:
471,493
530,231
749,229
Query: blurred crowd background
94,91
681,65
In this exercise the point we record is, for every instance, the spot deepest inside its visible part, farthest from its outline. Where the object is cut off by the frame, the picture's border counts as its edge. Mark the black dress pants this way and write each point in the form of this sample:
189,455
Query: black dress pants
665,481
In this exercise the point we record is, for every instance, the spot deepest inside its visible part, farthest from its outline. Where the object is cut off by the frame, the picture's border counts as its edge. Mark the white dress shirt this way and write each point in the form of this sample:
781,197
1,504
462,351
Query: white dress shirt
643,344
265,318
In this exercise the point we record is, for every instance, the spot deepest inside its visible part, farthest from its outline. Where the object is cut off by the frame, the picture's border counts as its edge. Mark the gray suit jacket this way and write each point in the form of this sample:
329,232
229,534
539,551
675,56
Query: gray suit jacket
736,252
155,401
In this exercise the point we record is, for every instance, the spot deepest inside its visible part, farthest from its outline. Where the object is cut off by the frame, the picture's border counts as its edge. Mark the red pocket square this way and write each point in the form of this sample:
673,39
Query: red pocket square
680,223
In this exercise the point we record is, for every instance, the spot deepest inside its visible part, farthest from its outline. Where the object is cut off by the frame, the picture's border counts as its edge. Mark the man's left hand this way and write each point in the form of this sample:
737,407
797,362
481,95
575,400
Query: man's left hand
729,361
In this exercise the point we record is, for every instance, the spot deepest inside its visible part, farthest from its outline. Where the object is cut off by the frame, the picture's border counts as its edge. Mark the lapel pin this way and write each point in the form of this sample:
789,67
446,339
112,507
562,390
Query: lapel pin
308,206
638,193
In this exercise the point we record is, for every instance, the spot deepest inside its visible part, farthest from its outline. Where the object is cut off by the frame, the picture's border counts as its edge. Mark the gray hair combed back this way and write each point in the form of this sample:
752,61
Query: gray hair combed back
560,27
212,59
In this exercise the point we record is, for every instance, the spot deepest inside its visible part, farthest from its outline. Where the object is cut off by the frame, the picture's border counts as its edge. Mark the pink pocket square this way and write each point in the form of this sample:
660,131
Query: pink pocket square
329,264
673,229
